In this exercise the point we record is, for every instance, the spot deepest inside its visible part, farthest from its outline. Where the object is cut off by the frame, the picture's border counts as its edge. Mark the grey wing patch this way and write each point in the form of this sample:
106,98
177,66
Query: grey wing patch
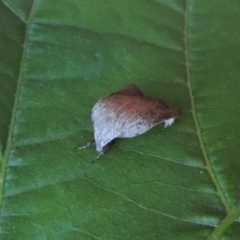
116,123
98,110
104,121
105,130
101,107
132,126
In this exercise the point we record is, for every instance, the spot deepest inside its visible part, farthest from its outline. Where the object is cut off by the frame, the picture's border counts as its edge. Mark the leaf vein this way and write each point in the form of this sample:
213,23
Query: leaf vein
15,104
142,206
195,118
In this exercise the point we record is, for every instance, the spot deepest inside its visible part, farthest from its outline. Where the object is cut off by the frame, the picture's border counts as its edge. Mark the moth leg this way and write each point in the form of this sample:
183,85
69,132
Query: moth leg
92,142
105,148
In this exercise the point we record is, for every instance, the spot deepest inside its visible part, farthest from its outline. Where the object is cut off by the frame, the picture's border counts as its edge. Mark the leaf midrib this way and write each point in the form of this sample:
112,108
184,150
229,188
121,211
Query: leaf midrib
16,101
195,118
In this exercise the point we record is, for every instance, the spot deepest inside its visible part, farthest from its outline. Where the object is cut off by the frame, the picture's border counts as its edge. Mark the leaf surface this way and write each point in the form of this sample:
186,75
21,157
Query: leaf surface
58,58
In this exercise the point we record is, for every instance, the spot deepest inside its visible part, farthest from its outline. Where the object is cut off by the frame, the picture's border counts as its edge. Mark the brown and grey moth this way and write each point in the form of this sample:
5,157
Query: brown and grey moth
126,114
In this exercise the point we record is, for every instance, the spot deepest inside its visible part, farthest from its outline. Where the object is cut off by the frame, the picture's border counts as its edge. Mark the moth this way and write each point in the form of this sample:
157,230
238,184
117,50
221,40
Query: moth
126,114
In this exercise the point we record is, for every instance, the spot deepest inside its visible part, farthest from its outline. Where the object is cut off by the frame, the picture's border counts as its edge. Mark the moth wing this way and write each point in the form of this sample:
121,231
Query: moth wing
105,129
131,90
122,115
139,115
103,103
98,109
111,123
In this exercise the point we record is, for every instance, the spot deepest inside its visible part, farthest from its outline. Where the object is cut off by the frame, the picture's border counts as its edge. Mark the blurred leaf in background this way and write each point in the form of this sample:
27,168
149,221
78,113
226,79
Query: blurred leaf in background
57,58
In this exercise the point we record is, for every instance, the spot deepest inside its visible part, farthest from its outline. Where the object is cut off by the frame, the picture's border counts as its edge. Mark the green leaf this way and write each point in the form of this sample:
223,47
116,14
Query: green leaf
58,58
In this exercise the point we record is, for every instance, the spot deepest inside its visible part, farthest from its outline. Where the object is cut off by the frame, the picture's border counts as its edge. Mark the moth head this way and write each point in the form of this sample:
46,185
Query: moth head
172,115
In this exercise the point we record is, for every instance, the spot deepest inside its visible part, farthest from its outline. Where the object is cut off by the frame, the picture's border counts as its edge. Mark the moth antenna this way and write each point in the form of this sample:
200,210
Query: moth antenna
92,142
105,148
96,159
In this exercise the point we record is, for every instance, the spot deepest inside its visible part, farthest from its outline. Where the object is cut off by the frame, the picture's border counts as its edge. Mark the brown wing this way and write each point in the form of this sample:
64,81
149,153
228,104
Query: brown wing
131,90
136,115
126,114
